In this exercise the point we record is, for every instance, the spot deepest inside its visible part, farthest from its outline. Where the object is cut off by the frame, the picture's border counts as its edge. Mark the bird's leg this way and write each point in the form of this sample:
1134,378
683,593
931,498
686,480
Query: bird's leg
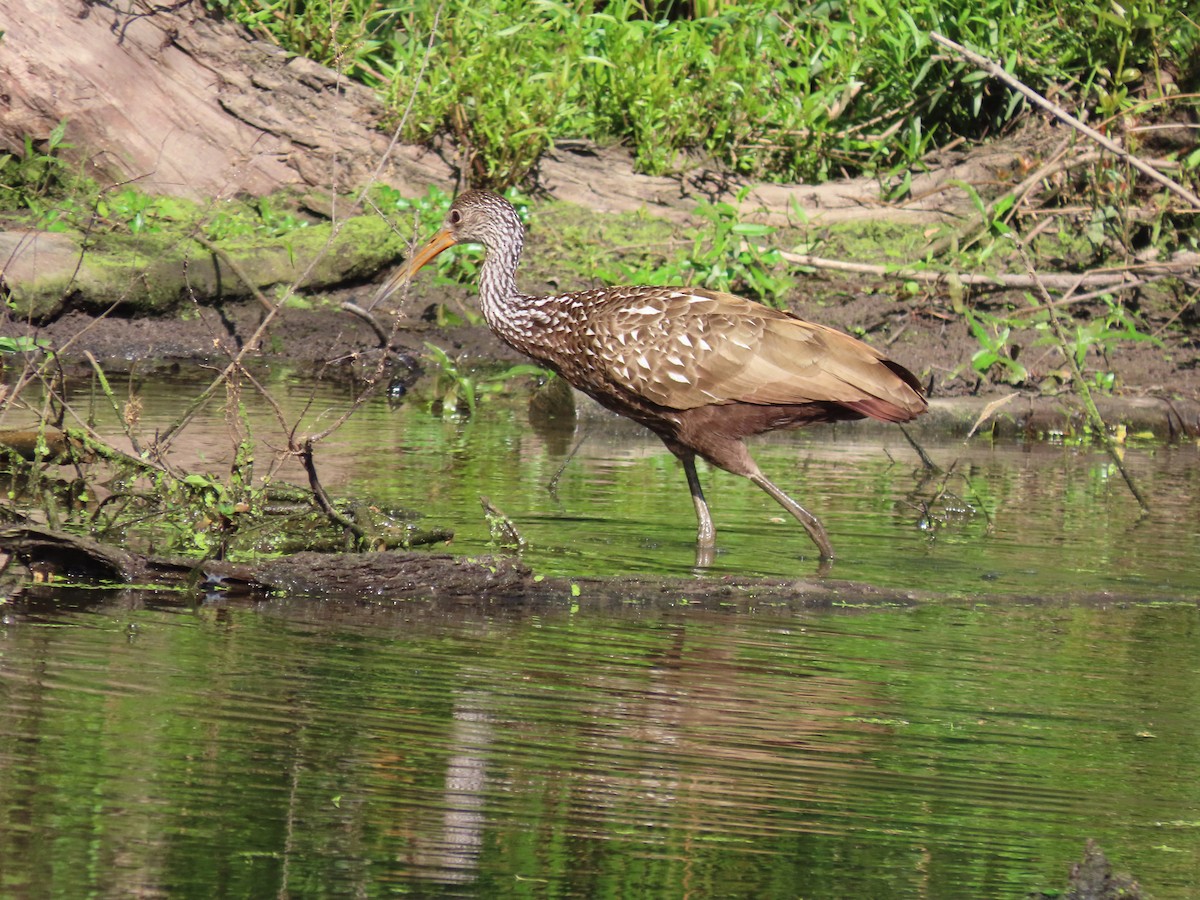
811,523
706,535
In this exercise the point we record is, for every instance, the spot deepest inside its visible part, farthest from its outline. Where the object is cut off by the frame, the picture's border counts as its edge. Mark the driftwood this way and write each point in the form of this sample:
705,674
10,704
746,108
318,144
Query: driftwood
53,444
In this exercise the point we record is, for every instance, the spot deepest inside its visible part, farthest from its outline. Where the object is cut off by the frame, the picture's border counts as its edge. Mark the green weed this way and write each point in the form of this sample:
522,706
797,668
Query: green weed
995,356
458,392
724,256
1102,334
33,180
766,88
23,344
257,218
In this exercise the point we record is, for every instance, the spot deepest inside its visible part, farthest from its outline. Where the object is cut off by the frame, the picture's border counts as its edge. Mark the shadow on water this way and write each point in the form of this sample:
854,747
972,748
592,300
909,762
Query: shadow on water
288,747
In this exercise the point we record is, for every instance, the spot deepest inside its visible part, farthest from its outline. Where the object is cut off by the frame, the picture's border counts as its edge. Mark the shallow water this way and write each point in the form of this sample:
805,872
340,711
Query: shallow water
1037,519
1012,518
157,745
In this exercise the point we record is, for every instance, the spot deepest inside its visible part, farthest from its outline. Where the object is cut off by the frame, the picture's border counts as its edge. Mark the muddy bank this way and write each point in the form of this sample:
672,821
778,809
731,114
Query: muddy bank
1158,389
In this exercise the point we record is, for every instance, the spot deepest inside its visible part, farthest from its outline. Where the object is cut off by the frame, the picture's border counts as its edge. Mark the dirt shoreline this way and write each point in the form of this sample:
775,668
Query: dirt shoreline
1158,393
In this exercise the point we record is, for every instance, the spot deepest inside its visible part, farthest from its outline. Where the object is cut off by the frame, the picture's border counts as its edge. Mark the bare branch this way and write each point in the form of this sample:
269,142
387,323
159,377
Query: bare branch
1058,112
322,498
1114,279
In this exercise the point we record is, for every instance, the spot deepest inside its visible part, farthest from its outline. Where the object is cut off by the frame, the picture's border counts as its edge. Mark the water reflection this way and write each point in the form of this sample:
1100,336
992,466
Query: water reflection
295,748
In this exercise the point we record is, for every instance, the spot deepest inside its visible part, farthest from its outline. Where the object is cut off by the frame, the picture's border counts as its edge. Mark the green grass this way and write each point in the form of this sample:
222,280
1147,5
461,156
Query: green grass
765,88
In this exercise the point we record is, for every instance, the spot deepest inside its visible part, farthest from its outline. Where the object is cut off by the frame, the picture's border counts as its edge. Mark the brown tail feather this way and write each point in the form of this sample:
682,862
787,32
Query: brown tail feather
886,410
883,410
906,376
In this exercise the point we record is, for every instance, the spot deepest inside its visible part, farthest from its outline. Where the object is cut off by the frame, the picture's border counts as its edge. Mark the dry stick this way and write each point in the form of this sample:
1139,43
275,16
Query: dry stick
164,440
1085,394
1179,312
926,461
437,18
1058,112
306,456
1084,298
234,267
280,418
107,390
382,336
273,309
236,364
1111,278
968,235
375,380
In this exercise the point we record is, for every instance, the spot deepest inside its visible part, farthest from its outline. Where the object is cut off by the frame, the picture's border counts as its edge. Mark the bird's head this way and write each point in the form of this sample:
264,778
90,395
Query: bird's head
480,217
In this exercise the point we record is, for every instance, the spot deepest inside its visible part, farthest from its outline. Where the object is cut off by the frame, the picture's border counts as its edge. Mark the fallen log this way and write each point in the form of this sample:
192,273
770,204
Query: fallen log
58,557
393,576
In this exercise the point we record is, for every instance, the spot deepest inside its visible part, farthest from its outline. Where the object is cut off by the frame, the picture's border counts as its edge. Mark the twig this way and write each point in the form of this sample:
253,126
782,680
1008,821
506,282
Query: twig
273,309
1081,298
1085,394
399,129
236,269
306,456
987,412
107,390
1058,112
363,314
552,484
976,228
1110,278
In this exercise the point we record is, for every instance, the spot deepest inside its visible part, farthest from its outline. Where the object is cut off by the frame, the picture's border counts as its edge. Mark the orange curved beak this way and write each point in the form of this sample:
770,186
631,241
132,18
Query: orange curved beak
439,242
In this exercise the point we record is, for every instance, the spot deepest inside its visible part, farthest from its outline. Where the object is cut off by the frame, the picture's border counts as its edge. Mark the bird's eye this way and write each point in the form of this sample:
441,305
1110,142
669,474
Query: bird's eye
455,217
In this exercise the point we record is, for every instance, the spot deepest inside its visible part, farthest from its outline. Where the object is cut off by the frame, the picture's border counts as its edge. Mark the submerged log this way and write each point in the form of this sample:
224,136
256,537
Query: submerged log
394,576
52,556
52,444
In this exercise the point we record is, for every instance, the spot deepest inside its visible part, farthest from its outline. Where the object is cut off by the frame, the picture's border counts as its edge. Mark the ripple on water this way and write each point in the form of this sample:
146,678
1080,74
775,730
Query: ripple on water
936,751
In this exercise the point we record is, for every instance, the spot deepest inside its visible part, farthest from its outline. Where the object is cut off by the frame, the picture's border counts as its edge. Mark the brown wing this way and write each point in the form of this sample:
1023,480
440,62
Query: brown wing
687,347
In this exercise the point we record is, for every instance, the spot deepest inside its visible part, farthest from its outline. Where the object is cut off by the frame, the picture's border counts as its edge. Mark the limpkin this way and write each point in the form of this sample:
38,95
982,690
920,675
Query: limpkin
701,369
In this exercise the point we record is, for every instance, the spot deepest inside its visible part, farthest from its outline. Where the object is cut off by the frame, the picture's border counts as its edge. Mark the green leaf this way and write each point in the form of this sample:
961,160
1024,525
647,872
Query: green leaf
750,229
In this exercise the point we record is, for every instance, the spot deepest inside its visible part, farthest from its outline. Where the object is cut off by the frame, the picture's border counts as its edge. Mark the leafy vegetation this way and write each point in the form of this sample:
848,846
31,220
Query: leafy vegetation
457,391
770,90
725,256
764,87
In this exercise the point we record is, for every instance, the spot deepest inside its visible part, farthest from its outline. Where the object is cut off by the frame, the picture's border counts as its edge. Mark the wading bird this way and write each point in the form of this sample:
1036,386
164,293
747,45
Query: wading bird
701,369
